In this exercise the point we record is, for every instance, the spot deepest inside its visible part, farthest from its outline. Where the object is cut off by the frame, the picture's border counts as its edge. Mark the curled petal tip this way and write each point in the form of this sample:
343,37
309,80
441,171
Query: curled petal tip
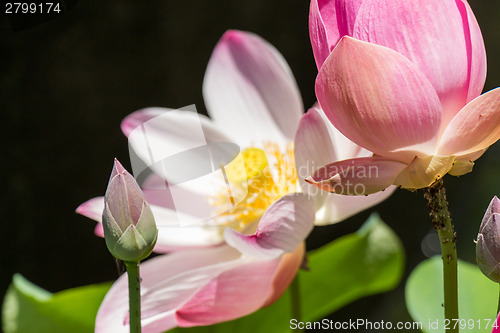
310,180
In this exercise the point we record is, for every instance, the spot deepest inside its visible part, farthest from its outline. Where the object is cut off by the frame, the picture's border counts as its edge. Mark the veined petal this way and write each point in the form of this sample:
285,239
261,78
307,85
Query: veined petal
475,127
441,37
189,288
182,147
318,33
162,287
176,120
329,20
359,176
286,271
337,208
378,99
318,143
284,225
314,147
475,50
230,296
171,235
250,91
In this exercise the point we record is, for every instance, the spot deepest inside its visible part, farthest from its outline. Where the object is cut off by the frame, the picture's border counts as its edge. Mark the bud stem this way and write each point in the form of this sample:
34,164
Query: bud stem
438,205
134,296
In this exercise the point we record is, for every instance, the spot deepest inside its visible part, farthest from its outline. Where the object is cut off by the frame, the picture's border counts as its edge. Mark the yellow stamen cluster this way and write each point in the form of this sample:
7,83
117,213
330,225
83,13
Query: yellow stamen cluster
265,176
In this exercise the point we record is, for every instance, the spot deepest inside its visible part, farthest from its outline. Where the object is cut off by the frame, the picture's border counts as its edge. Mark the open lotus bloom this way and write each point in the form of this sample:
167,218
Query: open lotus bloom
404,86
256,247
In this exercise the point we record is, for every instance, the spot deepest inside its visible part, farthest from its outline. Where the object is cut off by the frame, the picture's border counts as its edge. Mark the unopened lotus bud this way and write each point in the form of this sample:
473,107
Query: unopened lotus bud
129,226
488,242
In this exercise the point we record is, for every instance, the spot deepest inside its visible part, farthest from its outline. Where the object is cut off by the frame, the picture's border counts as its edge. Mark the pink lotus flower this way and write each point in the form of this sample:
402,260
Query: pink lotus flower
441,38
409,113
256,247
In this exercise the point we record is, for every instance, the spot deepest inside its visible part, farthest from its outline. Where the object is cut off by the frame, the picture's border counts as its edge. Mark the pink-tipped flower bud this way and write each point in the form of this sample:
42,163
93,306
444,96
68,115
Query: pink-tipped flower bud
129,226
488,242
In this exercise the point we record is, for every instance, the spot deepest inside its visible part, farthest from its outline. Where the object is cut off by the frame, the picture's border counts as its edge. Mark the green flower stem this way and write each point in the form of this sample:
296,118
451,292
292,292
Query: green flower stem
295,300
438,205
134,296
498,306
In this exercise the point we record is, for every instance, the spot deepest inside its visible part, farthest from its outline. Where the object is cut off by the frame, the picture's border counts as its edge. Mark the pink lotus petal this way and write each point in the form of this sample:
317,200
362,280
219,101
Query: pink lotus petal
475,127
329,20
158,275
360,176
136,119
230,296
435,36
92,208
250,91
171,235
378,99
194,287
171,133
284,225
313,146
286,271
337,208
475,50
318,142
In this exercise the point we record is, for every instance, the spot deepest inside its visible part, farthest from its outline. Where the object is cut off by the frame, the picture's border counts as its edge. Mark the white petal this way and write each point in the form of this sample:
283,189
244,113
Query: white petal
250,91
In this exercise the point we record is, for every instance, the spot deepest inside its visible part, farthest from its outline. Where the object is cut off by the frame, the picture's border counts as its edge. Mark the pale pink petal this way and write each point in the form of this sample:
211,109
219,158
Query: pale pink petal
233,294
441,37
249,90
313,147
284,225
137,118
184,148
189,288
171,235
92,208
379,99
178,197
360,176
286,271
337,208
475,127
318,143
329,20
158,275
222,299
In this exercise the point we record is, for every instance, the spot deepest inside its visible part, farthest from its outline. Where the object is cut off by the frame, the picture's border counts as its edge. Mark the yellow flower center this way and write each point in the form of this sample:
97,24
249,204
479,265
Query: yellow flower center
265,175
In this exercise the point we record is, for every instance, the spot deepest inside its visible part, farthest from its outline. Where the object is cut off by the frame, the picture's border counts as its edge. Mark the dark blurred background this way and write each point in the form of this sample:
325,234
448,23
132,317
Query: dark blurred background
66,85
